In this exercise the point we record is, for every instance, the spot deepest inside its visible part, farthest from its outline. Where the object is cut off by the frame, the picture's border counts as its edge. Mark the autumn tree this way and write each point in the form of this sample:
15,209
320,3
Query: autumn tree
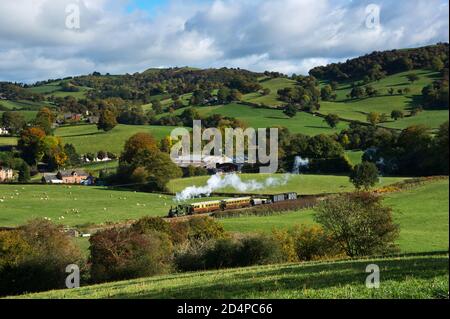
54,154
374,118
31,144
44,120
145,165
107,120
359,223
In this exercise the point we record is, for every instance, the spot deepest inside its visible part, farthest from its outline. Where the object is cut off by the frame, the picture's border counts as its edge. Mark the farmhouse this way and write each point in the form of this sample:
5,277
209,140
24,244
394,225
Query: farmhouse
72,177
6,174
68,177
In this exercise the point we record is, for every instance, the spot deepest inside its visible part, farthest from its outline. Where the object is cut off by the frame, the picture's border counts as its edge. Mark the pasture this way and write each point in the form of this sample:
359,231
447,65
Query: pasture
357,109
422,213
272,98
87,138
302,184
424,276
77,205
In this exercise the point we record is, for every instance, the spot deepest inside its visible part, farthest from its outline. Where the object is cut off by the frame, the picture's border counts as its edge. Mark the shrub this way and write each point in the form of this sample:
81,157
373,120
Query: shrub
118,254
229,252
287,244
204,228
312,243
359,224
151,224
259,249
35,258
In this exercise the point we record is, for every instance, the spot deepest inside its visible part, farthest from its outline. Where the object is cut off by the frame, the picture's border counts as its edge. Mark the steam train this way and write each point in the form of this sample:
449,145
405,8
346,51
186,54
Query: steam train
227,204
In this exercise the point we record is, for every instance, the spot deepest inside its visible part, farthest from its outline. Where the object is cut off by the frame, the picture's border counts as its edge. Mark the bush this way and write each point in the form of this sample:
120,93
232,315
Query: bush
35,258
204,228
312,243
359,224
118,254
259,250
229,252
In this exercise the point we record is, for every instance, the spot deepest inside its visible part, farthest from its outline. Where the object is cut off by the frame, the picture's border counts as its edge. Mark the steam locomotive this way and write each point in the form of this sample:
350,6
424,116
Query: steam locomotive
227,204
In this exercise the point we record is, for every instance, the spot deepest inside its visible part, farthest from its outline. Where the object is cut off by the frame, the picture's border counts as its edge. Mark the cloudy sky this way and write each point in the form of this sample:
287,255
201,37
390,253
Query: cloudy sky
41,39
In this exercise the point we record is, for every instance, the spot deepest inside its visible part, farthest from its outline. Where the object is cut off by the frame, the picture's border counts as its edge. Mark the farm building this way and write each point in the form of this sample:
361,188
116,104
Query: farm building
6,174
68,177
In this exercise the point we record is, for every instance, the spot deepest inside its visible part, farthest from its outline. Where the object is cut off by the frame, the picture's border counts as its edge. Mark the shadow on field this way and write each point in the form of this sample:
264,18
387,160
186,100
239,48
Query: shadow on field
291,278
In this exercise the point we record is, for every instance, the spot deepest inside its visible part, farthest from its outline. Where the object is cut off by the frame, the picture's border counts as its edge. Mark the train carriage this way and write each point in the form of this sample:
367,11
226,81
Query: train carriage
227,204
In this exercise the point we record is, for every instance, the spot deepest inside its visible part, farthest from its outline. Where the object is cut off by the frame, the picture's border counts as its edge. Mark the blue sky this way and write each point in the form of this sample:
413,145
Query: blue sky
126,36
150,6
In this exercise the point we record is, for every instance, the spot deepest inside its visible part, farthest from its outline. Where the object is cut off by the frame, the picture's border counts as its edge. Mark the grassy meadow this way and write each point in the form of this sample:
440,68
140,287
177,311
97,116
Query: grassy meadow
422,213
357,109
77,205
302,184
87,138
407,277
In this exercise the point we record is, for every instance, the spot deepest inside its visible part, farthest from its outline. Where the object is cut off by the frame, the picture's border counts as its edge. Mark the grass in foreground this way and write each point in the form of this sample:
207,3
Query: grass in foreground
401,277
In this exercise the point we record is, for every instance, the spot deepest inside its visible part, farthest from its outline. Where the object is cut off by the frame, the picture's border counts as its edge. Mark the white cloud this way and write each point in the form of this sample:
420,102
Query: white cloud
289,36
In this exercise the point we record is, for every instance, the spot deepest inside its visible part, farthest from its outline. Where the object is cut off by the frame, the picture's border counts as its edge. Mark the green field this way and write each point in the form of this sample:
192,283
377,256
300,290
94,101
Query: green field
271,99
87,138
384,103
55,89
8,141
304,123
407,277
355,157
422,214
93,205
302,184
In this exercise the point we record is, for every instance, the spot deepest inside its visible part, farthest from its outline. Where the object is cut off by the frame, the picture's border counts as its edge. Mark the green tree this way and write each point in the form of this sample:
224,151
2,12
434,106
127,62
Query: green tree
326,93
24,173
397,114
73,158
13,121
332,120
156,106
359,223
107,120
437,64
412,77
364,175
290,110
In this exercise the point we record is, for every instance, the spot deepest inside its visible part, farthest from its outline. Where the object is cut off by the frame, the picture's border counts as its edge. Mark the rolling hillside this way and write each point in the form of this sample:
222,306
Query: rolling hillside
424,276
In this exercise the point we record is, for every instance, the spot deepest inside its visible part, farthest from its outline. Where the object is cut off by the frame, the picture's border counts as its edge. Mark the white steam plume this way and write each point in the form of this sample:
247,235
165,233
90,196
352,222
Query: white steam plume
298,164
217,182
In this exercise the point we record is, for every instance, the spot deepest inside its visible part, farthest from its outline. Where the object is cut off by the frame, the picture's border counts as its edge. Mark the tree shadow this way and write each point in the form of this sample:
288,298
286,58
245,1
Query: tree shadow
291,278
